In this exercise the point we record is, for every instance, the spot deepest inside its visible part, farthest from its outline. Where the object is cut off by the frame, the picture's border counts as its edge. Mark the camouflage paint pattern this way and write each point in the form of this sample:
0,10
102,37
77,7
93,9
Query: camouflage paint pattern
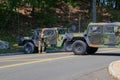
53,37
103,34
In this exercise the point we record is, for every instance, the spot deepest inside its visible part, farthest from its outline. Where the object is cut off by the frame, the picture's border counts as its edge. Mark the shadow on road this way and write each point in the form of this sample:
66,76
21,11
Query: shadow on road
22,53
9,54
62,51
106,54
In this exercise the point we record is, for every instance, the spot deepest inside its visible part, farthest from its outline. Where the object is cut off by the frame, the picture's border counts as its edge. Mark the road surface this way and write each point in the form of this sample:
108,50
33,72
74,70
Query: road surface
58,66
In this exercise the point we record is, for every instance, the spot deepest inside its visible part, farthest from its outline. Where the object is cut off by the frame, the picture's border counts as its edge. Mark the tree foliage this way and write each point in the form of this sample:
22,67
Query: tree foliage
45,8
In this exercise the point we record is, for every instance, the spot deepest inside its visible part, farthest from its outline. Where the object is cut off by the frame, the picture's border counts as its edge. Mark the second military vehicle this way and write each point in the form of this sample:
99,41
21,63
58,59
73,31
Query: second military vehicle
49,37
97,35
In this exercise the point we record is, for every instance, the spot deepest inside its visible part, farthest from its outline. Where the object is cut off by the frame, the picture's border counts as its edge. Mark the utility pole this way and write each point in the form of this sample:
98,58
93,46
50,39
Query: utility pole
79,22
94,10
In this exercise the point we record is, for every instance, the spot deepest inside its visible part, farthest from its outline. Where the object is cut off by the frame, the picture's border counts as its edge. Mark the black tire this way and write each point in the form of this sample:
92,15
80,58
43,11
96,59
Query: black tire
79,47
91,50
29,48
68,46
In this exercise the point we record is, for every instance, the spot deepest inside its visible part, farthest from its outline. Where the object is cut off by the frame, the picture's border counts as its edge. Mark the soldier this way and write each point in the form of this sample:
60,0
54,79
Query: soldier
41,47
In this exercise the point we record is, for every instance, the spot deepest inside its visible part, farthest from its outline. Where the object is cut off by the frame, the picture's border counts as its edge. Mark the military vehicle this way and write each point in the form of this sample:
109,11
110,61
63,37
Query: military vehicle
51,38
22,40
97,35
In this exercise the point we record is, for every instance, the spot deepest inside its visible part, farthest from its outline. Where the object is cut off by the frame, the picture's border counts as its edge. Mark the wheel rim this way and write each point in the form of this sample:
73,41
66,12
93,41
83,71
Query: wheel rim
78,48
28,48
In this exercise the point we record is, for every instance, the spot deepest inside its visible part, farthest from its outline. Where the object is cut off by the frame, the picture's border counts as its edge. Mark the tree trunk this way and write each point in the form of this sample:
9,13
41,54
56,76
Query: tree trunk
33,11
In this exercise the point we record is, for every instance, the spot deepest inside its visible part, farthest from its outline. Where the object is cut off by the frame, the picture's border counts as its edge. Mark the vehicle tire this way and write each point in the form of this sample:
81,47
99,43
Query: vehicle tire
91,50
68,46
29,48
79,47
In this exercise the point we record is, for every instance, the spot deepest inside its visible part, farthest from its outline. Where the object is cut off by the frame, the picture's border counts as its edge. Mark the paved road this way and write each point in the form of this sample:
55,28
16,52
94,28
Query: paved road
58,66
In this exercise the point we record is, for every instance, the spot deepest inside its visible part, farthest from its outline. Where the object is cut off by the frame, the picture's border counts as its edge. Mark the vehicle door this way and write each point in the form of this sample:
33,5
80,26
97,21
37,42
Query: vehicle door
111,36
94,36
117,34
61,36
50,36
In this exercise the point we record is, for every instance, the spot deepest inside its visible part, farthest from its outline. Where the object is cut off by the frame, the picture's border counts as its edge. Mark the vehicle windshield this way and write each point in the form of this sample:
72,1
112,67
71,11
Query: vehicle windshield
49,32
95,29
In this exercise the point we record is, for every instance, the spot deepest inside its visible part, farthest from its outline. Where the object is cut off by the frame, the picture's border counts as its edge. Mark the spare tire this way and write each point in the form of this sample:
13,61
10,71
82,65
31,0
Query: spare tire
28,48
79,47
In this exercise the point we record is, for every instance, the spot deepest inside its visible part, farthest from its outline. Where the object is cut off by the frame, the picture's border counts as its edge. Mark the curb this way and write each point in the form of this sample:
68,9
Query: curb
111,70
8,54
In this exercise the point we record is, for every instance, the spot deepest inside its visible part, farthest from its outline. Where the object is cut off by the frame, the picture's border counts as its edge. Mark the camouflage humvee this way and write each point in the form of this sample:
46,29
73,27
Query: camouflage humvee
49,38
22,40
97,35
